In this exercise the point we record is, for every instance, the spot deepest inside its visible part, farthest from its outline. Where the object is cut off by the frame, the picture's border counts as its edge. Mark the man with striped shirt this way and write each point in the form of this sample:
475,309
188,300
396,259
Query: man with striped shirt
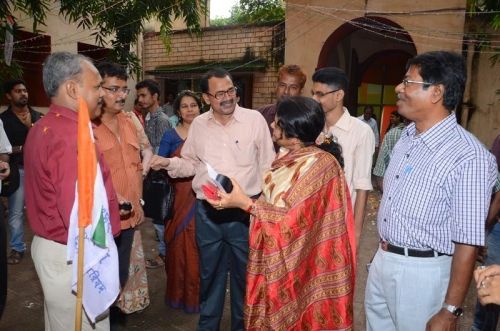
432,216
384,153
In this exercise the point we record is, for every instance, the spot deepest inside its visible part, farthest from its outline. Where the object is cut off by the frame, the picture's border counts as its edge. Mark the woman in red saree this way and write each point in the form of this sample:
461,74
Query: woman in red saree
300,273
182,260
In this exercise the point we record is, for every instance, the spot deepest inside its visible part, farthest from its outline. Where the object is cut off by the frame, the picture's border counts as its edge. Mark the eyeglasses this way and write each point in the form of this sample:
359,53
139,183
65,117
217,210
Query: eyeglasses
321,94
231,92
116,89
409,81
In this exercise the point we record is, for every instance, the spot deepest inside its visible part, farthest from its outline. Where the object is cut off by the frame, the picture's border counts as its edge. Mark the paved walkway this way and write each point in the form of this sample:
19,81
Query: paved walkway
24,311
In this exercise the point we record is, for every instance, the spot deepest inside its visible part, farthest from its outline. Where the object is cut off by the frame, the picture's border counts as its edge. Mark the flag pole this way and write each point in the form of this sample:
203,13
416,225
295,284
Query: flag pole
79,284
85,188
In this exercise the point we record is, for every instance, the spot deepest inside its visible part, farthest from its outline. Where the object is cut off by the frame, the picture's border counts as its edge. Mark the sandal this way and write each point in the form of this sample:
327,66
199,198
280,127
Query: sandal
157,262
15,257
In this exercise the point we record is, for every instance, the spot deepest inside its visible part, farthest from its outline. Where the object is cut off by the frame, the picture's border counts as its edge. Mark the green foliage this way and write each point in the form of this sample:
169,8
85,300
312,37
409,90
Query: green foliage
121,21
34,8
253,11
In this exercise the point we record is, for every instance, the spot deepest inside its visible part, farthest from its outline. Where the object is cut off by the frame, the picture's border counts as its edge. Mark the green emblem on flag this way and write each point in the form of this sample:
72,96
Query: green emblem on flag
99,236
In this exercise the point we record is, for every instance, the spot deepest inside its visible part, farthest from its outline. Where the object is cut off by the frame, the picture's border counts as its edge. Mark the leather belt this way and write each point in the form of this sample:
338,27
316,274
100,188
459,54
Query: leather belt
408,251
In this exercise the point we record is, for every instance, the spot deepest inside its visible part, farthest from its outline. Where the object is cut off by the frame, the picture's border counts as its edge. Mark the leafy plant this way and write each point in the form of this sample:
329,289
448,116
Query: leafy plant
253,11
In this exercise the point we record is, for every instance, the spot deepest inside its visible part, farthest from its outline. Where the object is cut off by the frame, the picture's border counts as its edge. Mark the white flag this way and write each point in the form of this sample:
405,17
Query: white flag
101,284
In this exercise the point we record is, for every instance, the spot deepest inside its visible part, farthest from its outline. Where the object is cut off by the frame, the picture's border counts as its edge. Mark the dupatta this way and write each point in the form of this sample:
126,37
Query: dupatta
300,273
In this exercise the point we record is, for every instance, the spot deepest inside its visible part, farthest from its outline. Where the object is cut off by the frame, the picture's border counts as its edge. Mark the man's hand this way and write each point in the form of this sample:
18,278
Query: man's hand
158,162
488,284
147,155
442,321
123,212
4,173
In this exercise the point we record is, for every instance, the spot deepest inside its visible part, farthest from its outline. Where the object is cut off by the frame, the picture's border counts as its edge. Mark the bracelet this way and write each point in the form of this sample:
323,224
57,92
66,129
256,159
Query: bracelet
251,208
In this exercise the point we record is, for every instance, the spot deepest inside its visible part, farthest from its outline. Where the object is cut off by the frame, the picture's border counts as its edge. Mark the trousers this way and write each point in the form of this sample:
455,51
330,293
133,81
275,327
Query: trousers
222,238
396,282
55,276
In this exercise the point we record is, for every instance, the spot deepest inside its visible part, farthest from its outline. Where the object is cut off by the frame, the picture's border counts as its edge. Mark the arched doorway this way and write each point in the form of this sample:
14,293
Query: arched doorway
373,51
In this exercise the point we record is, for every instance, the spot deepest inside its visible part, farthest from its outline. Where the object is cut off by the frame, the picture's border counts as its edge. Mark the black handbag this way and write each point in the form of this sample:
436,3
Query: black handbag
158,196
11,183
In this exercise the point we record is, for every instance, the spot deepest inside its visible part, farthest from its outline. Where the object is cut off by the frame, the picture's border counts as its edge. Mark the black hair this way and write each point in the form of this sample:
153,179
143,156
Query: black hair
108,69
334,77
446,68
333,148
177,102
300,117
215,72
151,85
8,86
303,118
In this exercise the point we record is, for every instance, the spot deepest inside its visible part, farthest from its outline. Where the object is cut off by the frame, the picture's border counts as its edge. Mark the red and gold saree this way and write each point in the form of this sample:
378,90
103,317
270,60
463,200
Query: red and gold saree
300,273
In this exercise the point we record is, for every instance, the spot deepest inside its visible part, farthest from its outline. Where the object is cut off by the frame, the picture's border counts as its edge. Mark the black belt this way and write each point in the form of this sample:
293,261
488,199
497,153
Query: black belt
408,251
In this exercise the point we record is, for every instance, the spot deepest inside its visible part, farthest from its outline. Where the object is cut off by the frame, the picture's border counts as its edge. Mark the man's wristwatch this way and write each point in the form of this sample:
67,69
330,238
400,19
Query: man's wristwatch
456,311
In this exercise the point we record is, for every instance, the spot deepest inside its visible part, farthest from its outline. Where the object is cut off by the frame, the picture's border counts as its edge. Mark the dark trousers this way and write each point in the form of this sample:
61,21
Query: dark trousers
3,261
124,246
222,238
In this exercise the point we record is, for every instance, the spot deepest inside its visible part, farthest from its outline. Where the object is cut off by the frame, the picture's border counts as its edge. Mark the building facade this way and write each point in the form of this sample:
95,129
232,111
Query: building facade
252,53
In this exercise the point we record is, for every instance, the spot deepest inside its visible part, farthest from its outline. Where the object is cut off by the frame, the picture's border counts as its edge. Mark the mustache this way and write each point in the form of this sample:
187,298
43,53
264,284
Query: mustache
227,103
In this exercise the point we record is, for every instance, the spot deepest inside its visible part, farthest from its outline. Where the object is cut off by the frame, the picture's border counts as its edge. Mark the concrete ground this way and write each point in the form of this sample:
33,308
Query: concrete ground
24,310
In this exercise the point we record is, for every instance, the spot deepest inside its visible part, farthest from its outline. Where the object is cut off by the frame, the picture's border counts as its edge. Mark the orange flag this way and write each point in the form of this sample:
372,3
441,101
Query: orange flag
86,166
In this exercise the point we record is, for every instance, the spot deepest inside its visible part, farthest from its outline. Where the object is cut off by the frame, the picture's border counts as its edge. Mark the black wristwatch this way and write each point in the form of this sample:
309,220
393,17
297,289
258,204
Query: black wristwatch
456,311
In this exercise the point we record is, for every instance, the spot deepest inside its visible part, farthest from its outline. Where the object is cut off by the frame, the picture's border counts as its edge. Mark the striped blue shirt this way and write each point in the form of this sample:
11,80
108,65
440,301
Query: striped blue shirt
437,189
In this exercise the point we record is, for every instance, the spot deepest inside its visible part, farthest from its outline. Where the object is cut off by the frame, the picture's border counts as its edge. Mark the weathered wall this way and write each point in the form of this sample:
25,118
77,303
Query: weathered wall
485,94
310,22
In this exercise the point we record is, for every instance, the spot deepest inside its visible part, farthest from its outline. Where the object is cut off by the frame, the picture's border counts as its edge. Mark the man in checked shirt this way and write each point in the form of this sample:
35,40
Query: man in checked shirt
431,220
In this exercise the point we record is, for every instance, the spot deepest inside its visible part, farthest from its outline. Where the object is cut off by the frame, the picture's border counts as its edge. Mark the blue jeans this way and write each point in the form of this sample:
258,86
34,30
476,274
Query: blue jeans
160,232
16,216
486,317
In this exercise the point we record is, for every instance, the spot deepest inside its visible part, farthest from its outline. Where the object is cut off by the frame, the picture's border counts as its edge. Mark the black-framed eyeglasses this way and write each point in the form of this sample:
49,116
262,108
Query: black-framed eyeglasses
409,81
231,92
116,89
321,94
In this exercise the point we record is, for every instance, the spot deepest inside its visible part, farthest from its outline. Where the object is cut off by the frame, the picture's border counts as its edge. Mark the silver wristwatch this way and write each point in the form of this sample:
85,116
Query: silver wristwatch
456,311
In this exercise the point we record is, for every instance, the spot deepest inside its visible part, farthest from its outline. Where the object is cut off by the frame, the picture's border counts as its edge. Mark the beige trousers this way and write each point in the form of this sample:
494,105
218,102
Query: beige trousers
55,276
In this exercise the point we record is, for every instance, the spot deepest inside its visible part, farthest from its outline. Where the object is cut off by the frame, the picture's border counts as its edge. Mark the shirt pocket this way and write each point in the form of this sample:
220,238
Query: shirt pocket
134,156
245,153
427,195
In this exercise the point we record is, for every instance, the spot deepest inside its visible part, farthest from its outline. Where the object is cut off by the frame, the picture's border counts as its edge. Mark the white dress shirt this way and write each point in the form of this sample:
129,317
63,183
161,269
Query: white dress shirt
358,145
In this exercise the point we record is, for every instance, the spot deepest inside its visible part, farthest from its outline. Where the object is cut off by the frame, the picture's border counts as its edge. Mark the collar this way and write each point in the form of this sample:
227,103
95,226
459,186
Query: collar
344,122
434,136
237,114
155,113
58,110
9,110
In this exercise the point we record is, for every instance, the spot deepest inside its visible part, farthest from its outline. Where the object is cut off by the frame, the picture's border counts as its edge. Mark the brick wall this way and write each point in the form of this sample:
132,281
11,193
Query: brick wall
220,44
